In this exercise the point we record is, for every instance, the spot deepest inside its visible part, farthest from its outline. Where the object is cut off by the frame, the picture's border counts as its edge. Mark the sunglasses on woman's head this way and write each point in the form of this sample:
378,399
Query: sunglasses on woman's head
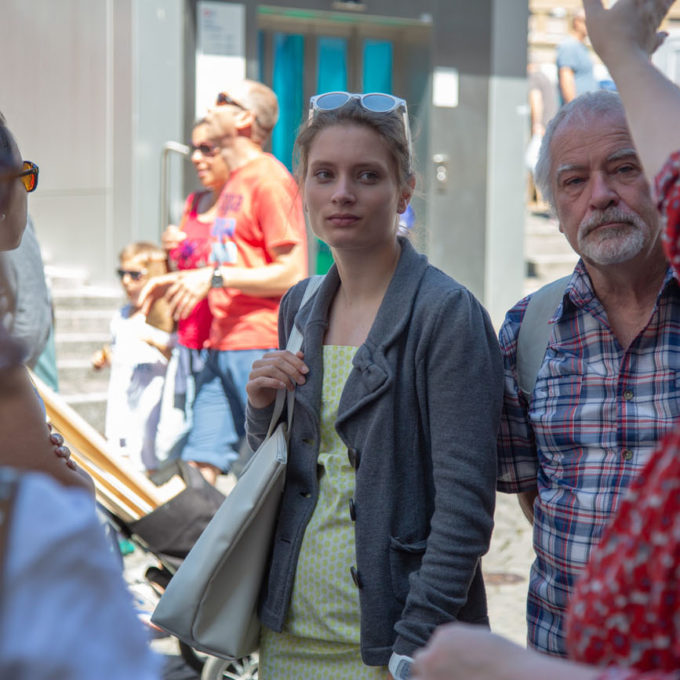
134,274
375,102
28,175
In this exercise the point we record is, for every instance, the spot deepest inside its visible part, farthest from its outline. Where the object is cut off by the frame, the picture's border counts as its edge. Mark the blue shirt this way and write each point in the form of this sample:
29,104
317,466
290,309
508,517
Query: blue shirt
575,55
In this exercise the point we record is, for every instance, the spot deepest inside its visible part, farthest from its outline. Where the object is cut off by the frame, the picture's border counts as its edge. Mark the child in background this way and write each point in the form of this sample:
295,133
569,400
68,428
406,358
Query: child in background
138,356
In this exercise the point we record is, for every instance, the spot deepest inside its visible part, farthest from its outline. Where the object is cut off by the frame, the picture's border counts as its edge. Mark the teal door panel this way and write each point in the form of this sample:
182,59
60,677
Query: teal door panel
289,53
377,71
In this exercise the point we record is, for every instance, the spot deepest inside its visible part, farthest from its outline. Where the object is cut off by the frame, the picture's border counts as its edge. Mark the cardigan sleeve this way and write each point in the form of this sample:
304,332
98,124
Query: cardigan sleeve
462,372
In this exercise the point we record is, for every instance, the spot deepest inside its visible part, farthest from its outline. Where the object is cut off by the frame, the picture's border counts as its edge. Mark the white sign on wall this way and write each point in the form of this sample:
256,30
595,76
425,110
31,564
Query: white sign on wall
220,50
445,87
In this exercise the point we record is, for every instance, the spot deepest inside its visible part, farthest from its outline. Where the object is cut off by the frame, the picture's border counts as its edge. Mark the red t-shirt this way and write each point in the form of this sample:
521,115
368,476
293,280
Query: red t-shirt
193,253
259,209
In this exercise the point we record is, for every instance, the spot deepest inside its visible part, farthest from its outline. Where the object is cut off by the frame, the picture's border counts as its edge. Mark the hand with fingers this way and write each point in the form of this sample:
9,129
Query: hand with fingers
627,25
187,290
60,450
172,237
155,289
275,371
459,651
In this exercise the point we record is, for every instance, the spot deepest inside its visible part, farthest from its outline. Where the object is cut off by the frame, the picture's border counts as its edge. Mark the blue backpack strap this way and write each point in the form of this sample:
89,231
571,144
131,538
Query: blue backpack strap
535,331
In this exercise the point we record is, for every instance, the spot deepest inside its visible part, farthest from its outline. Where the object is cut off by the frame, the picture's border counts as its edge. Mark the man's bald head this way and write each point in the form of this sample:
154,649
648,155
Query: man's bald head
262,102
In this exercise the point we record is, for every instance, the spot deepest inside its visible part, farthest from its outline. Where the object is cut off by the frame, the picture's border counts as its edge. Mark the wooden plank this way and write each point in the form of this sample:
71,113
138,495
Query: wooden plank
125,505
90,444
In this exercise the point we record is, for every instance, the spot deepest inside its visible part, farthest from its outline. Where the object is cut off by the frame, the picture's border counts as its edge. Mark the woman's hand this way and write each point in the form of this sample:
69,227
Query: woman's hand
64,453
60,450
628,26
275,371
172,237
462,652
187,291
156,288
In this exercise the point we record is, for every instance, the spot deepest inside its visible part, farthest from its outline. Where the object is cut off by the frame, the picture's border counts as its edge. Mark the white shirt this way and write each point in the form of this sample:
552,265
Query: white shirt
65,611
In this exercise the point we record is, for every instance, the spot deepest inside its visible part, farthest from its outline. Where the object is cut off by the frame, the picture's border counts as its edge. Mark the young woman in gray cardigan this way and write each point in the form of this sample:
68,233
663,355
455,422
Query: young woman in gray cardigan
389,497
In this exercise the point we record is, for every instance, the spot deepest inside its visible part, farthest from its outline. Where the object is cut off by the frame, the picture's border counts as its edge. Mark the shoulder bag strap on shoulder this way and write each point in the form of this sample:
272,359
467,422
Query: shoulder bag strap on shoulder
535,331
293,345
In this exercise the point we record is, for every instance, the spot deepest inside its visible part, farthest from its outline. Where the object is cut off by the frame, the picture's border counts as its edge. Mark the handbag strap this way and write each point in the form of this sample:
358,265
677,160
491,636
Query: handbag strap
293,345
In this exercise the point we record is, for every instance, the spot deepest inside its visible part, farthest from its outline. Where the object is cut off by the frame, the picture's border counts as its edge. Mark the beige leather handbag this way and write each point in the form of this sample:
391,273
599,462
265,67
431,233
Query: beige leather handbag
211,601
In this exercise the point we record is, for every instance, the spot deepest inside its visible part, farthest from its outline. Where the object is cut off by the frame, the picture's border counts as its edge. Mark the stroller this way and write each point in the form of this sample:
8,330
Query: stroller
164,520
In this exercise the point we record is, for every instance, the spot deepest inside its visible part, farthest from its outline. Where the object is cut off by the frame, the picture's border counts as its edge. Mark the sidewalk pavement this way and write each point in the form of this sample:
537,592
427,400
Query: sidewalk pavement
506,569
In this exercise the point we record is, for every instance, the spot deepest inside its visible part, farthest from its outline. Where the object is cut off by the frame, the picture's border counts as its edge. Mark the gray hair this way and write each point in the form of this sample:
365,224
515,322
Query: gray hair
600,102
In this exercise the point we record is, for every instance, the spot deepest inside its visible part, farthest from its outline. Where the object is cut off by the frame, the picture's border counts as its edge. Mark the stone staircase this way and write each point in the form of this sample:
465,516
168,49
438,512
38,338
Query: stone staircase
82,319
547,253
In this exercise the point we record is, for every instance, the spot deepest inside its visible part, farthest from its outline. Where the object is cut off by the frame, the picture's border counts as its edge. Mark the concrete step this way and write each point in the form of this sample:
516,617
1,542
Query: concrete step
79,345
549,267
88,298
91,406
545,244
83,320
77,376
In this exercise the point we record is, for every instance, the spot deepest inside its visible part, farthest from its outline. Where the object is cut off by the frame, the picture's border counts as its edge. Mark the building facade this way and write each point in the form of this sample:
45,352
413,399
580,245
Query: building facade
111,82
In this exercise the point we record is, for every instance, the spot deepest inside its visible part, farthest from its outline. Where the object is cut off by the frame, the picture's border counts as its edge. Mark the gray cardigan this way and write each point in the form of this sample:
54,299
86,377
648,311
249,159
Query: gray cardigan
418,414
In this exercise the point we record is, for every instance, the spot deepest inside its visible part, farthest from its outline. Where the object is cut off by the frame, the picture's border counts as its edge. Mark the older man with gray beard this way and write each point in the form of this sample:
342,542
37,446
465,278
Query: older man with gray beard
607,388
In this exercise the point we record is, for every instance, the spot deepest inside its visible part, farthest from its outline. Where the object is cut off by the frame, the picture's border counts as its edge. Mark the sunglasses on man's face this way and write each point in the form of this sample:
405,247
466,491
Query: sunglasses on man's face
223,99
134,274
204,149
28,175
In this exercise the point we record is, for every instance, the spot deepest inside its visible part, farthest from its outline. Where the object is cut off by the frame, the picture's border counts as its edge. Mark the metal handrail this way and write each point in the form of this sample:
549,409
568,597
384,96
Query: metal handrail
168,148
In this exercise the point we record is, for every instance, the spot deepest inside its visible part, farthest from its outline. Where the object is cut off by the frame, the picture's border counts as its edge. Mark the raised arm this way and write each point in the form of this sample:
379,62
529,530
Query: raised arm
624,37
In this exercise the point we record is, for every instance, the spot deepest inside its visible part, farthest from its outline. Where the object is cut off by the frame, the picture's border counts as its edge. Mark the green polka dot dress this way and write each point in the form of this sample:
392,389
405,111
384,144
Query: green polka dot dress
320,638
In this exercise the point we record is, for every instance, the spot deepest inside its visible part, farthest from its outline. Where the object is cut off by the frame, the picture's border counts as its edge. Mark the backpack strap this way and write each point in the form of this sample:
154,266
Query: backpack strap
535,331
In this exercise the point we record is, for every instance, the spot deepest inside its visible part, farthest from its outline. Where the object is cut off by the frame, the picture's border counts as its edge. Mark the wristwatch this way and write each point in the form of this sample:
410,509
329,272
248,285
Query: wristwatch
217,281
400,666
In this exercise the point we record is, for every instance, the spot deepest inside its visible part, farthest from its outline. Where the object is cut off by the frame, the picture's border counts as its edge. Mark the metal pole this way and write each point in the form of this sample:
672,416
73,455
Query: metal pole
168,148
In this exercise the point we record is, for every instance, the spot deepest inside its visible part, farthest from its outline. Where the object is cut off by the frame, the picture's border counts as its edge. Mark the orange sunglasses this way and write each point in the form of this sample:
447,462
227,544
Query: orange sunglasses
28,176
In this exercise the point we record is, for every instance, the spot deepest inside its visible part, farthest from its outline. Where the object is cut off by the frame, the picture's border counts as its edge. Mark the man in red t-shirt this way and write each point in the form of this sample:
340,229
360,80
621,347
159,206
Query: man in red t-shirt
259,250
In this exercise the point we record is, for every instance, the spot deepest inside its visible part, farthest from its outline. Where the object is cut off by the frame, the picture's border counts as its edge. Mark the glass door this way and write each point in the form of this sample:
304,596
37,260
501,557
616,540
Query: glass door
306,52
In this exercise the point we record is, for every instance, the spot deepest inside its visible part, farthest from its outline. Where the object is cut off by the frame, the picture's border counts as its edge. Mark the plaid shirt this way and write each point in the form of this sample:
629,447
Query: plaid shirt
596,414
